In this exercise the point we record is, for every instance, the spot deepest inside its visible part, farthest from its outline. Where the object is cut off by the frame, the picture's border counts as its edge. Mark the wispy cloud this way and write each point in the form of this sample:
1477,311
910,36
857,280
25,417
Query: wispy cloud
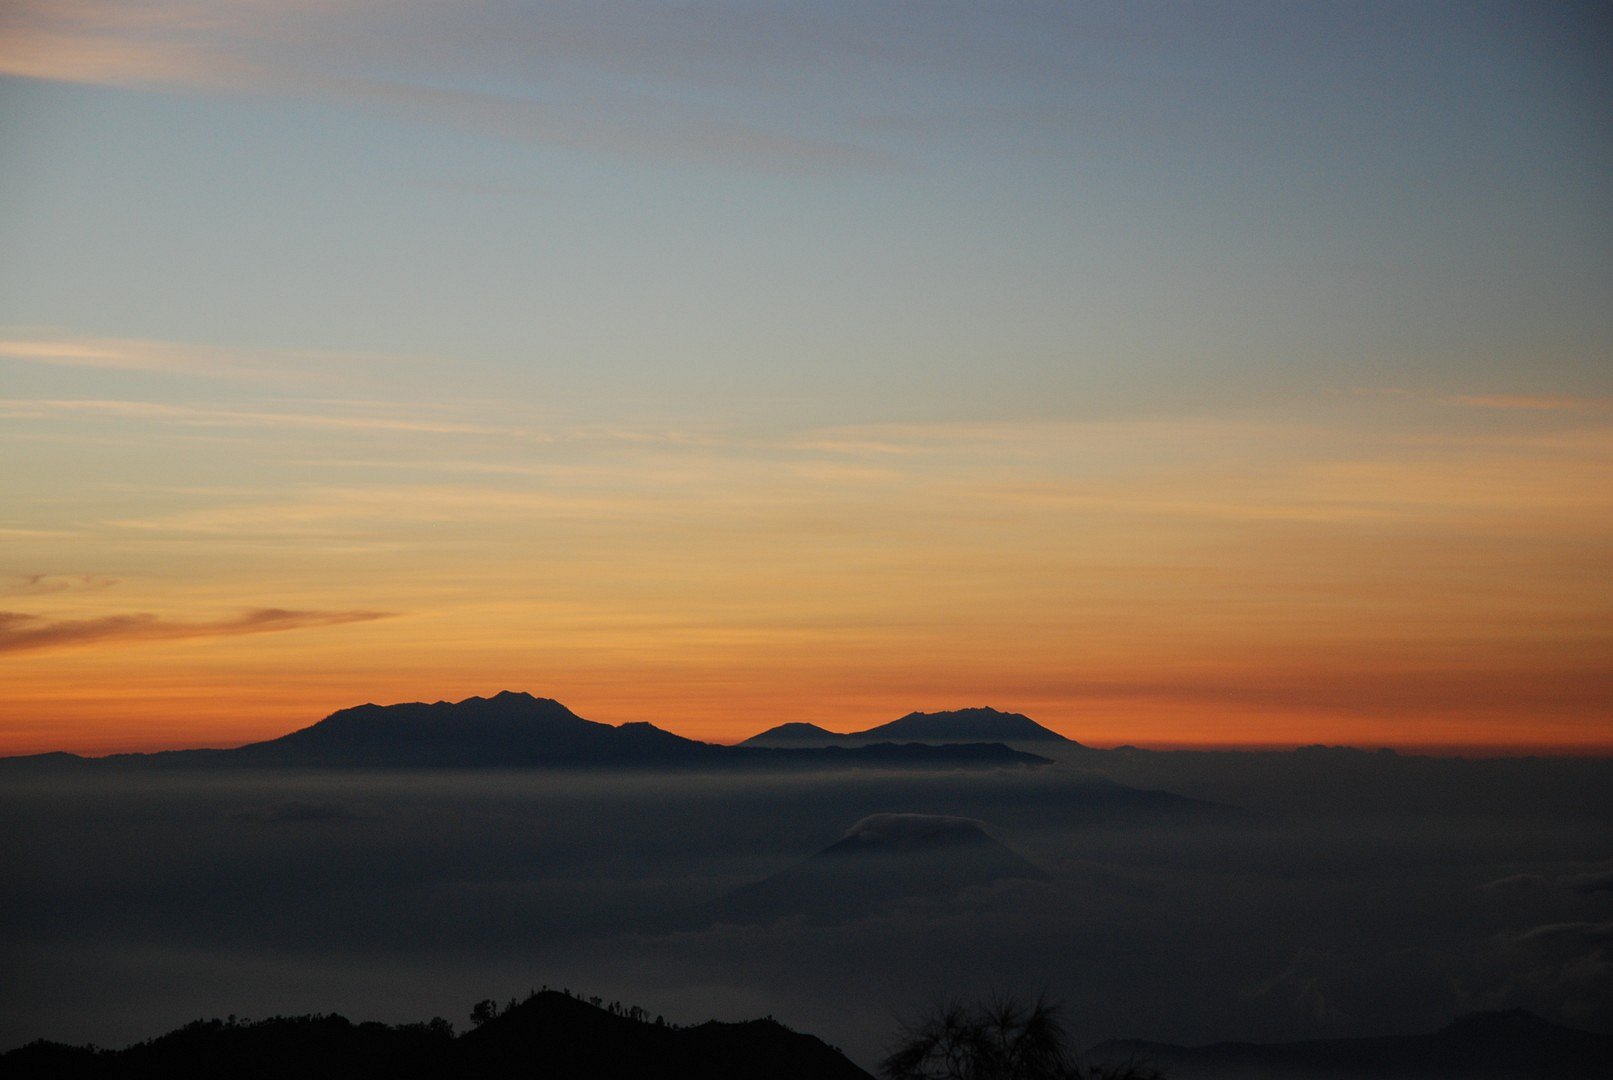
113,44
1533,402
43,584
22,632
35,534
491,418
304,50
207,416
104,353
323,512
65,349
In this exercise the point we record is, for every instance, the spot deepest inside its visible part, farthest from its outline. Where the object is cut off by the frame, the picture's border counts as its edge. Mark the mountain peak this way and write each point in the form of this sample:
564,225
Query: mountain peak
796,734
882,860
978,711
509,729
521,697
906,829
977,724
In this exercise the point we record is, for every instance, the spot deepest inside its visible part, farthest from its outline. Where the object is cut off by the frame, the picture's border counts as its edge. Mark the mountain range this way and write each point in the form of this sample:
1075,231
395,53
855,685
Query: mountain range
954,726
517,730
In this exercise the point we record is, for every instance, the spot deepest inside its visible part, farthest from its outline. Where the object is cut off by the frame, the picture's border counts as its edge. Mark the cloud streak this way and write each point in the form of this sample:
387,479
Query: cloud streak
150,356
1533,402
41,584
211,417
22,632
116,355
177,45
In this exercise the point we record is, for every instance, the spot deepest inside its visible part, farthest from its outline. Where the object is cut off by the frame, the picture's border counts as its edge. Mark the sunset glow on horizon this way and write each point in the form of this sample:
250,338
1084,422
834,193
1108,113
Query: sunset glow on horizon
1192,376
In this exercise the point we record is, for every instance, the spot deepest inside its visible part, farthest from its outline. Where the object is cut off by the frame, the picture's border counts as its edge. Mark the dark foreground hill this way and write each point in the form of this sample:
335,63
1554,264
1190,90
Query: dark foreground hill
954,726
517,730
548,1035
1481,1046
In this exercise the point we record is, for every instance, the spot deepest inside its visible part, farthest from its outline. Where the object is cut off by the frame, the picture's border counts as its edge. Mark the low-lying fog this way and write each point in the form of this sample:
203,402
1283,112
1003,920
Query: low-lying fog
1348,894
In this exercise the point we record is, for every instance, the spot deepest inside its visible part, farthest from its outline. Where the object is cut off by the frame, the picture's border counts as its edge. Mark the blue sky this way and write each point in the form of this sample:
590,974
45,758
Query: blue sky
835,202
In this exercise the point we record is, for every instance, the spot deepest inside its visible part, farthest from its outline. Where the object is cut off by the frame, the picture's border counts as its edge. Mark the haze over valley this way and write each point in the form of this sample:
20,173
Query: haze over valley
1180,898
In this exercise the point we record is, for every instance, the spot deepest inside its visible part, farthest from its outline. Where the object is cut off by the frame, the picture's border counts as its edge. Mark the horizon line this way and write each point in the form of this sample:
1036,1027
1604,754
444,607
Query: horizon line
1453,749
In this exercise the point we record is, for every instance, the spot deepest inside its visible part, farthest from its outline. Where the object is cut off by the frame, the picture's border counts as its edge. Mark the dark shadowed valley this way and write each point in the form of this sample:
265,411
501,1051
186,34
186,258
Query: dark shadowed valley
395,863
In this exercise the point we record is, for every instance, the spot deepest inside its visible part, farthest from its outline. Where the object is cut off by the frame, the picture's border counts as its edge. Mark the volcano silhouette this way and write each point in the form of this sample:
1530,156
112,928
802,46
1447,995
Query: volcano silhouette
880,861
953,726
510,729
513,730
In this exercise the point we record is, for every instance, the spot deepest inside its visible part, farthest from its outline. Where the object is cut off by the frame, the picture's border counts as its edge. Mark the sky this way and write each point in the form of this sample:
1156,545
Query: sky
1177,374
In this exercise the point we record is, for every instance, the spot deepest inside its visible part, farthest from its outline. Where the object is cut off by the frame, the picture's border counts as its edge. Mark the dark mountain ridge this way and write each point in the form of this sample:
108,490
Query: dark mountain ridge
549,1034
517,730
952,726
513,729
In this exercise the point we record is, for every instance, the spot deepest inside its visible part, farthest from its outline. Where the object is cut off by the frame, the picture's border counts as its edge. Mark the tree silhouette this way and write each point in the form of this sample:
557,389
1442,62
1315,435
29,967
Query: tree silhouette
1001,1038
483,1011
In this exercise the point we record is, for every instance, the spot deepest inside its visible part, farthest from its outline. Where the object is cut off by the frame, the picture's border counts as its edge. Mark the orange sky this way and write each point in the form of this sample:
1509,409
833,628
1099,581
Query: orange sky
1379,570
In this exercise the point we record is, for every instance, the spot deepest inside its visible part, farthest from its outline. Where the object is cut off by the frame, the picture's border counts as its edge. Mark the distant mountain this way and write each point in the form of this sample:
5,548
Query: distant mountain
882,859
797,735
1480,1046
517,730
549,1034
955,726
509,729
965,725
